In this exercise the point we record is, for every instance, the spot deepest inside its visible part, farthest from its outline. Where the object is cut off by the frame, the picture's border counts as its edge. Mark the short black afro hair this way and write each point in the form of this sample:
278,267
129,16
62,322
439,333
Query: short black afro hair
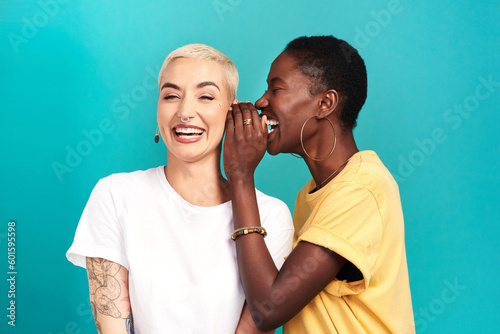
333,64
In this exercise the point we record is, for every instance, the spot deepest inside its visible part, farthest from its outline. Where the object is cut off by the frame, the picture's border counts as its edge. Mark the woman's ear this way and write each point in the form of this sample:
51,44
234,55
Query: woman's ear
328,102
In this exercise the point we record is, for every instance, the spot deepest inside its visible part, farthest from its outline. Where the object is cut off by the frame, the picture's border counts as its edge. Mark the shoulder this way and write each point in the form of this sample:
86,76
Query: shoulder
366,172
129,179
128,185
365,185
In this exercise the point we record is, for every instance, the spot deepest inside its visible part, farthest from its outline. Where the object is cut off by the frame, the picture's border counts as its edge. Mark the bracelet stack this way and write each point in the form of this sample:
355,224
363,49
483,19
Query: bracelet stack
247,230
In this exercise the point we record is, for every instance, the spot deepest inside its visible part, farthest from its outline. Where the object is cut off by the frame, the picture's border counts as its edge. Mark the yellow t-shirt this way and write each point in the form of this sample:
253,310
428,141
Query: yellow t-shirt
357,215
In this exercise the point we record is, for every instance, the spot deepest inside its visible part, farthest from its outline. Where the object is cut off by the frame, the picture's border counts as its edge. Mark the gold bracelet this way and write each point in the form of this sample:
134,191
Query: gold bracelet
247,230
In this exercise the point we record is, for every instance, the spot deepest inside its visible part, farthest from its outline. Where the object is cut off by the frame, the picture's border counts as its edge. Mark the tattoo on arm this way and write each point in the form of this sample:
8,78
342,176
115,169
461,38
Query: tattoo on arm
104,286
105,290
97,323
129,323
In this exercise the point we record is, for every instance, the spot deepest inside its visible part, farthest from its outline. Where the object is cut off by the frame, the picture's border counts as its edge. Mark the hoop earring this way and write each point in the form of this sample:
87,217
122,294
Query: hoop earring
157,138
302,141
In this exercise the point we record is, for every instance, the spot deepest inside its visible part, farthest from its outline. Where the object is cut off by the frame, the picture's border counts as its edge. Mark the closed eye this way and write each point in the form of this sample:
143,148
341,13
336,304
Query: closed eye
170,97
206,97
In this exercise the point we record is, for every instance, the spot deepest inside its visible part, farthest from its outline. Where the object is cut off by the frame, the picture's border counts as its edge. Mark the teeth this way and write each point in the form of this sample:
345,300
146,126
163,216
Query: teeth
272,122
188,131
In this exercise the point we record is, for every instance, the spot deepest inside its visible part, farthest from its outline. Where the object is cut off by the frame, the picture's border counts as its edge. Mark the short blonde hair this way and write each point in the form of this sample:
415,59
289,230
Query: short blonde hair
205,52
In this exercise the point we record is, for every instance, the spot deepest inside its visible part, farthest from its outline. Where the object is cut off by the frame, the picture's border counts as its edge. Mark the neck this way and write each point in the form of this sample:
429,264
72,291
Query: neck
200,183
323,171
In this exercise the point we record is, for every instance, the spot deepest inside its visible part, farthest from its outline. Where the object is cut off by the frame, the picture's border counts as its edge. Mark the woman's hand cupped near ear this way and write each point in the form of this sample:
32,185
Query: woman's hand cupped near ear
245,142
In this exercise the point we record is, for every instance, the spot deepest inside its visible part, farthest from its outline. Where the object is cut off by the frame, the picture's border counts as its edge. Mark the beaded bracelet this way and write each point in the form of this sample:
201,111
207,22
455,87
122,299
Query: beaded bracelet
247,230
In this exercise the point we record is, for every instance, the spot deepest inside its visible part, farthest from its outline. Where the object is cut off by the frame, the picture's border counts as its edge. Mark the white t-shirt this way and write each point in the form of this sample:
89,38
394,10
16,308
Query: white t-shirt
183,275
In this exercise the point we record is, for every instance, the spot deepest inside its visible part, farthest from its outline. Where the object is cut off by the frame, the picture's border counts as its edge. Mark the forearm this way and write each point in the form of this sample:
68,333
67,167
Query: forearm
256,266
110,325
246,324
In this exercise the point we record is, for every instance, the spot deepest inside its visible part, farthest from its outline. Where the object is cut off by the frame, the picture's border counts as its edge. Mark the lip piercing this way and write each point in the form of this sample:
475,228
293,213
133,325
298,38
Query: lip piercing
184,120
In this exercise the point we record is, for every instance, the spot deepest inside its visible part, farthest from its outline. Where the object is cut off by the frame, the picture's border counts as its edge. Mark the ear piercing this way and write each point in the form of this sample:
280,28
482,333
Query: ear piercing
302,141
157,138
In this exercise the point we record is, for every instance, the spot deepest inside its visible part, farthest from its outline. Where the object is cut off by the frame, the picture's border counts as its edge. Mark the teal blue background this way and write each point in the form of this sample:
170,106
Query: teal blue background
65,69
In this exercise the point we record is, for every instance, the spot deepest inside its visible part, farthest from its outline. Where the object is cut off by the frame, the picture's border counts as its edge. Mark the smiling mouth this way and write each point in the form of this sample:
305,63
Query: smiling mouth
188,133
272,124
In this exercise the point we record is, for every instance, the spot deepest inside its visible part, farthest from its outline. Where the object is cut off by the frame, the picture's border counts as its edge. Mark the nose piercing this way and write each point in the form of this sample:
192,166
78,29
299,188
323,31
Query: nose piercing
184,120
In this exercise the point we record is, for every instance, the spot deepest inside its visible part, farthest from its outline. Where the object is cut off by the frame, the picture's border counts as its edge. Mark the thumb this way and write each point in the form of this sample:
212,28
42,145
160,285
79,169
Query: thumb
263,121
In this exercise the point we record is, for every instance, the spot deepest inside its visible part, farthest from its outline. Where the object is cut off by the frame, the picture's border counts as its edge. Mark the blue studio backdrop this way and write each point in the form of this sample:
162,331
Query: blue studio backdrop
78,101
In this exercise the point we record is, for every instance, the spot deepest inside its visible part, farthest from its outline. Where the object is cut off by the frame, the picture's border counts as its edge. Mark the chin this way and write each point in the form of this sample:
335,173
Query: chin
273,148
189,156
272,152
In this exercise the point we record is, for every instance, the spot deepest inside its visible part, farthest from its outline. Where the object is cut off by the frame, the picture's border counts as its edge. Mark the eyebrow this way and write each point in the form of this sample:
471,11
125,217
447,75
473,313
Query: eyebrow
200,85
207,83
170,85
276,79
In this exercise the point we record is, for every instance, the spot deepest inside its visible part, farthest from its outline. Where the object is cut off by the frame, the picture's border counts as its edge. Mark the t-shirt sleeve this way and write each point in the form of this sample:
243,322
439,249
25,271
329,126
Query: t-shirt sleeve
348,222
277,221
99,232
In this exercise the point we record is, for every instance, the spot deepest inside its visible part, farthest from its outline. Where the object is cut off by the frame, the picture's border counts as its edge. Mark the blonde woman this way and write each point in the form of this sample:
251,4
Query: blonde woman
156,243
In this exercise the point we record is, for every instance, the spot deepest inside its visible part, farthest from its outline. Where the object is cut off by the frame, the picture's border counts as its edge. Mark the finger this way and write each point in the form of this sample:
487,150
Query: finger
229,124
255,118
264,124
260,125
247,116
246,110
238,120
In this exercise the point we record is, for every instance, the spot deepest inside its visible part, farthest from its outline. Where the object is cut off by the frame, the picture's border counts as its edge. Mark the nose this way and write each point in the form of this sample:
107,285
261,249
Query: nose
187,108
263,102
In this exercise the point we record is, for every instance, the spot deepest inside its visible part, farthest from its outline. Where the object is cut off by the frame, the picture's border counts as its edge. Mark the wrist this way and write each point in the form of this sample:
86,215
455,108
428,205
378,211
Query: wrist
241,181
